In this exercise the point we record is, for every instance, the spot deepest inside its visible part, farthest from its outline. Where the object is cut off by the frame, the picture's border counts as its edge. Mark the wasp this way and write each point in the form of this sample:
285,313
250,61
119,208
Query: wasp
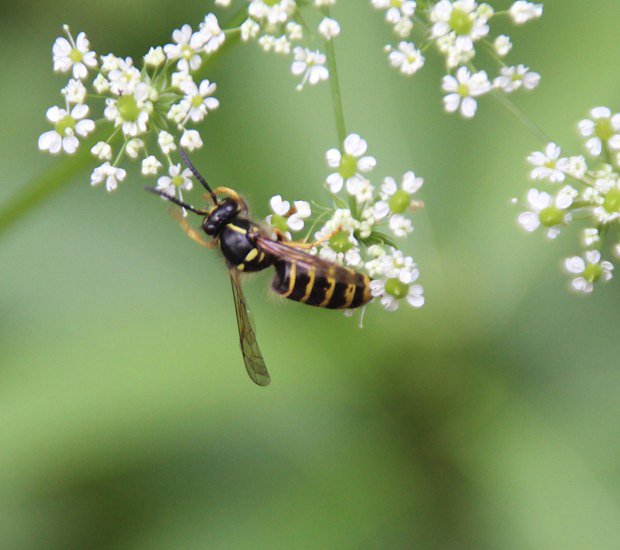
248,247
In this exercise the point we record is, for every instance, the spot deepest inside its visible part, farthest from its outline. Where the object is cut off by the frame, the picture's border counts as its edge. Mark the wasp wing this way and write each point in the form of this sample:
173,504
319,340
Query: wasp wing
252,357
289,252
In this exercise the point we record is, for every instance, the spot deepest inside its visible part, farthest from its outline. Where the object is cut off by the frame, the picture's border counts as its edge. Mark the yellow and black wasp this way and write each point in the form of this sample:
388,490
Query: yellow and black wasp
247,247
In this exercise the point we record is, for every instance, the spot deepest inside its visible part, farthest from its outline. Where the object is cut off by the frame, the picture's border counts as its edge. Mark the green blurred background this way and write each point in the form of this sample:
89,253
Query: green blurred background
488,419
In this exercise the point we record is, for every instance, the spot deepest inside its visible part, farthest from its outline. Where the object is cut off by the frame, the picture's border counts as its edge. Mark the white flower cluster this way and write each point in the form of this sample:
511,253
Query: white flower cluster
456,28
584,192
352,230
277,26
143,109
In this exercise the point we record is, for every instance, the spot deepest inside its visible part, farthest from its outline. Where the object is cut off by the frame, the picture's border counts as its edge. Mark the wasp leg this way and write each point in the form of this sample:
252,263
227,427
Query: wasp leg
280,236
190,231
308,246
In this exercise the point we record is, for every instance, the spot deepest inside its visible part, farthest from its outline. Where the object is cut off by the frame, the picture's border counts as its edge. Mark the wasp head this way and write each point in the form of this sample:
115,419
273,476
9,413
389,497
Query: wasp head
223,213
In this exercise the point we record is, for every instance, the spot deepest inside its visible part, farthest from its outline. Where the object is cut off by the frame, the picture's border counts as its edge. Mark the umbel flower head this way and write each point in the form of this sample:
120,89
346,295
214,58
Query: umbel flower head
592,198
460,30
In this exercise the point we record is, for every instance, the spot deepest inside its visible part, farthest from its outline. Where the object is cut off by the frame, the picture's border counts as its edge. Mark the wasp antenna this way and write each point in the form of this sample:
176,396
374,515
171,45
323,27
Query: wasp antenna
197,174
176,201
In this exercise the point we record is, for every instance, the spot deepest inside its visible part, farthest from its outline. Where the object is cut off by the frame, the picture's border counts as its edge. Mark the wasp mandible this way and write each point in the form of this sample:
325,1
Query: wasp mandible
247,247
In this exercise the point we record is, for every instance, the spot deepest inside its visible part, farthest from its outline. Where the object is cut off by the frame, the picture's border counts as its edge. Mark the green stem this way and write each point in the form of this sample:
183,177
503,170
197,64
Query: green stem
37,190
522,117
341,128
41,187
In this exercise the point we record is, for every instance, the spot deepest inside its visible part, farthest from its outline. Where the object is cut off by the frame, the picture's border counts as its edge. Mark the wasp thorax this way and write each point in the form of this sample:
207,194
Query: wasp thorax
225,212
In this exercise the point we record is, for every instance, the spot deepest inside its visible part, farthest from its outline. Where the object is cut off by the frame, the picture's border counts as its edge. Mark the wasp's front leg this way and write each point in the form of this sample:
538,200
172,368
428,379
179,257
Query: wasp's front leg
196,236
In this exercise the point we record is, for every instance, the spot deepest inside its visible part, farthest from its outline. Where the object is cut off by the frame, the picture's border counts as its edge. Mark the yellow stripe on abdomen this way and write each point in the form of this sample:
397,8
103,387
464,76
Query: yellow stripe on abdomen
292,275
310,285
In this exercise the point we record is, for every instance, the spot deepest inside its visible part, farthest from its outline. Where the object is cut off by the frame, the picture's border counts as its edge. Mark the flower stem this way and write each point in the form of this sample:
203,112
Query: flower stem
522,117
341,128
42,187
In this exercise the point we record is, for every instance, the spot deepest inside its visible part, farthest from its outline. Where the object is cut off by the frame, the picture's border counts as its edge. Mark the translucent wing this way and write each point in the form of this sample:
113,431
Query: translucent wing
252,357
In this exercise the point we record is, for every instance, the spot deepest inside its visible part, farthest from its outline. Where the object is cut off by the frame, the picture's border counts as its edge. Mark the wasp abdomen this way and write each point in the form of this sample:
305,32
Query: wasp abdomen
321,284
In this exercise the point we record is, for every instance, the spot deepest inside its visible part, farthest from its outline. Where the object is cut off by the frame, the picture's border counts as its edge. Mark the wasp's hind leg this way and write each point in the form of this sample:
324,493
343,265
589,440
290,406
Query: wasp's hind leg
194,235
308,246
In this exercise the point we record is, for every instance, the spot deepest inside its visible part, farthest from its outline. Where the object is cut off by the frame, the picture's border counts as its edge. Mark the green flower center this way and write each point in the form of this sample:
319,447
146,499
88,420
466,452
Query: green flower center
460,22
177,181
128,108
396,288
463,90
592,273
279,222
271,2
551,216
348,166
612,201
340,242
64,125
400,201
396,3
187,52
603,129
76,55
197,101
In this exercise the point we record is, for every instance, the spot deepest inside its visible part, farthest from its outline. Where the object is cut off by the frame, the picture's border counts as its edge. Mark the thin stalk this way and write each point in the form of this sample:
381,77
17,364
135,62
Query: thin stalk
522,117
341,127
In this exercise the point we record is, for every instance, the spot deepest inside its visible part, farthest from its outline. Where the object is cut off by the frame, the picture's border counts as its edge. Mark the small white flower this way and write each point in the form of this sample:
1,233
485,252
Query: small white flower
395,200
101,84
67,126
108,174
166,142
463,21
548,164
601,128
361,189
350,164
130,111
285,217
551,212
123,76
176,179
74,91
191,140
249,30
211,34
155,57
502,45
150,166
395,275
273,12
512,78
186,48
590,270
73,55
395,9
198,100
407,58
463,89
521,12
295,31
223,3
329,28
400,225
102,151
590,236
133,147
309,64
